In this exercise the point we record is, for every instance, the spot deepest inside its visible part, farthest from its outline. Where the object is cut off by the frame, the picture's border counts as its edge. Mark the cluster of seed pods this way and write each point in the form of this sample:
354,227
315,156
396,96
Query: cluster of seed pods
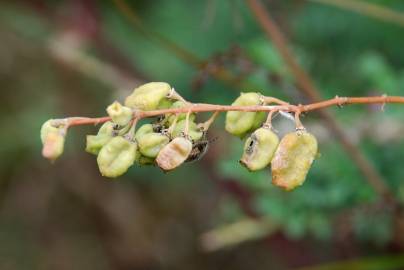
290,158
175,138
167,142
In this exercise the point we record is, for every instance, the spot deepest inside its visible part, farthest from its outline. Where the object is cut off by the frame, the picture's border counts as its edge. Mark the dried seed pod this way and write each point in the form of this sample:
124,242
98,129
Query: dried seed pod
119,114
293,159
116,157
149,142
240,123
174,154
194,132
53,140
148,96
259,149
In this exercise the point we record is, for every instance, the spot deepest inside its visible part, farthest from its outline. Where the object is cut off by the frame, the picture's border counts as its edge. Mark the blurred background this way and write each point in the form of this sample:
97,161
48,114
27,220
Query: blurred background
73,58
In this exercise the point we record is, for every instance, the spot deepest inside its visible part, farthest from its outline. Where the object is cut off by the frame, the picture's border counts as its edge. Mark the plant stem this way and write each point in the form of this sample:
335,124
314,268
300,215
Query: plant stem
202,107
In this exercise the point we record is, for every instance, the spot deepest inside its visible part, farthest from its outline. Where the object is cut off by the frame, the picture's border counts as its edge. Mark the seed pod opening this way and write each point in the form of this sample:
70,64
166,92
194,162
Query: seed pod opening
53,140
240,123
174,154
119,114
293,158
259,149
148,96
115,158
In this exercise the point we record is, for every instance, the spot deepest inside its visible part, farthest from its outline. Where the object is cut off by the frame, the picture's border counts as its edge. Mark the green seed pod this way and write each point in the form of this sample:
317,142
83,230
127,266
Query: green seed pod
94,143
148,96
106,129
293,158
143,160
149,142
53,140
240,123
181,116
174,154
120,115
116,157
194,132
165,103
259,149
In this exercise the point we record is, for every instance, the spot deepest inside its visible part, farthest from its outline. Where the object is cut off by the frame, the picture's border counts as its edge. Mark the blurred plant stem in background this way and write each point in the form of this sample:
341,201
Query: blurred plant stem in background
367,9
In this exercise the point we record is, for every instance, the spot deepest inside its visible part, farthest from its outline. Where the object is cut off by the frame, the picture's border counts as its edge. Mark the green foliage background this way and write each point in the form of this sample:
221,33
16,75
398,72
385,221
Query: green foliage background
52,214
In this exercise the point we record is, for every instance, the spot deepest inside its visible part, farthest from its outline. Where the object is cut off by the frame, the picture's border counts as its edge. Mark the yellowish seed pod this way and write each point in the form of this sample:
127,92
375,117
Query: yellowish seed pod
106,129
149,142
259,149
293,158
116,157
94,143
53,140
194,132
174,154
119,114
240,123
143,160
148,96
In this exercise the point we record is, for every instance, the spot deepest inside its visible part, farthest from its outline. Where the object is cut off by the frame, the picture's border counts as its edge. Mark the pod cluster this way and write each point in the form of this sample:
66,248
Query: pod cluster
168,141
173,139
289,158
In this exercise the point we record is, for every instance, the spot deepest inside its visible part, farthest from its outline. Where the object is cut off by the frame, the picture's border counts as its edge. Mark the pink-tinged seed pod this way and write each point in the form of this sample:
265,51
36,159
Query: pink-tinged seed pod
53,140
174,154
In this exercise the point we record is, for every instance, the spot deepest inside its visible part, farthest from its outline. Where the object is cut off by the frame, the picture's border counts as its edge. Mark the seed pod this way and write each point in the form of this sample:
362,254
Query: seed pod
293,159
116,157
149,142
107,128
194,132
94,143
240,123
53,140
120,115
174,154
259,149
143,160
181,116
148,96
165,103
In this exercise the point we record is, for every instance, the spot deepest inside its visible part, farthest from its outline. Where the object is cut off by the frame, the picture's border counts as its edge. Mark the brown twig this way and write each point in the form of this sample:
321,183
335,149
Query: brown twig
309,89
202,107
